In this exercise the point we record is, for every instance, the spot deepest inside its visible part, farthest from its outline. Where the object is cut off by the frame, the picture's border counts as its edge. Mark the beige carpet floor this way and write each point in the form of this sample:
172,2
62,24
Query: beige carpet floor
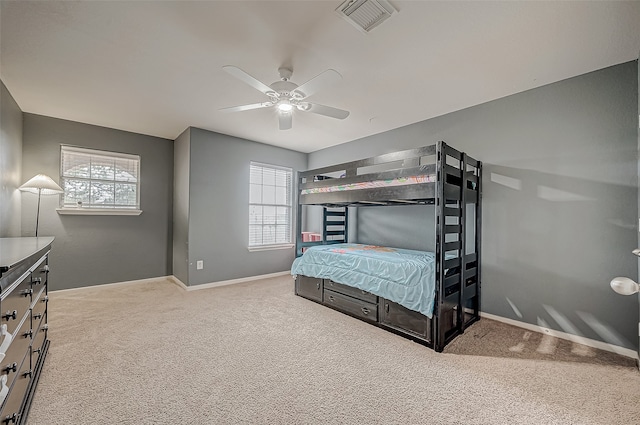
254,353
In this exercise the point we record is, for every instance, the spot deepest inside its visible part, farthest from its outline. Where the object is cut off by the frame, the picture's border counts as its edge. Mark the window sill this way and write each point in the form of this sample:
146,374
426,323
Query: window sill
97,211
270,247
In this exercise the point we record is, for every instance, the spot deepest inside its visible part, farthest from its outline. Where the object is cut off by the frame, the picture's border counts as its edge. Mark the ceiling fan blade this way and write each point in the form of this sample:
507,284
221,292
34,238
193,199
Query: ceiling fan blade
284,120
326,78
253,82
247,107
326,110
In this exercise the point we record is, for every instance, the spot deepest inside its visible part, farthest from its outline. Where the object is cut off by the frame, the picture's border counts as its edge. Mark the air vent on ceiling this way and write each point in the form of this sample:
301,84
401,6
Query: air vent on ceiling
365,14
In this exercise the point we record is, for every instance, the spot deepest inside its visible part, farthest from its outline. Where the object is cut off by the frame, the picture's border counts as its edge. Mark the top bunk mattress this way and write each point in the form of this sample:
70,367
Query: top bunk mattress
400,181
397,177
404,276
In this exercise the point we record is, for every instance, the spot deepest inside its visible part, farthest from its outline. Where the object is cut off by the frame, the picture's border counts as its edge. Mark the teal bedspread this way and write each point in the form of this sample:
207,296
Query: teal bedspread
404,276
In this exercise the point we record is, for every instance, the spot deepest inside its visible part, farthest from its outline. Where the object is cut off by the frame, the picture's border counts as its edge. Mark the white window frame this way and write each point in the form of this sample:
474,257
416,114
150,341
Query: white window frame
96,209
288,205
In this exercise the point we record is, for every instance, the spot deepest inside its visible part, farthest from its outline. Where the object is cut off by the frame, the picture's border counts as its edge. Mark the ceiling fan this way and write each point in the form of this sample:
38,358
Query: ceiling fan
286,96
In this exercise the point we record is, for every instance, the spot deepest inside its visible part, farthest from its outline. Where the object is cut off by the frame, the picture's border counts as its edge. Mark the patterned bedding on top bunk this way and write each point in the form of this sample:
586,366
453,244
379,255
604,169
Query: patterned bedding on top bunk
404,276
400,181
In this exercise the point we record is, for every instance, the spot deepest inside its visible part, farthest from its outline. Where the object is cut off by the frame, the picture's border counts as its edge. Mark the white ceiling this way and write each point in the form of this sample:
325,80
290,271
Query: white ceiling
156,67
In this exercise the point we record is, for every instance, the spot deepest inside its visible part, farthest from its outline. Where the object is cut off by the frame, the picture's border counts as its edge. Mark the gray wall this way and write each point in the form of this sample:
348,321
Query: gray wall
91,250
219,207
181,166
10,164
560,198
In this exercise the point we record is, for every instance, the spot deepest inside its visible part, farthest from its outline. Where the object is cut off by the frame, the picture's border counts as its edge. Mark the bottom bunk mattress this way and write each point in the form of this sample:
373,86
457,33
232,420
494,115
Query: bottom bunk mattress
404,276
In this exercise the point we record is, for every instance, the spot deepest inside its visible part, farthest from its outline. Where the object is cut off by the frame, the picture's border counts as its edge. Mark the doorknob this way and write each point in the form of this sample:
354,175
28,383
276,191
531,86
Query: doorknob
624,285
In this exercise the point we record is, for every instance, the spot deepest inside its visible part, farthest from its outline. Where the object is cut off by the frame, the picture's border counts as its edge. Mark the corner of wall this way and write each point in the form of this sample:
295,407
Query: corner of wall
11,136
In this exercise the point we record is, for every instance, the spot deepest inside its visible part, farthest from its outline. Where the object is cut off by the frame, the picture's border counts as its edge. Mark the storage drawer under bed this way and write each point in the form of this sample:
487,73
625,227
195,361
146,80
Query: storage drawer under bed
401,318
351,291
309,287
361,309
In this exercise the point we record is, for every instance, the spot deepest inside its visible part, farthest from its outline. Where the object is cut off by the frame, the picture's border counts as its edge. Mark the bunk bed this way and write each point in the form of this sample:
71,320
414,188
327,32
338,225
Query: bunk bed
429,297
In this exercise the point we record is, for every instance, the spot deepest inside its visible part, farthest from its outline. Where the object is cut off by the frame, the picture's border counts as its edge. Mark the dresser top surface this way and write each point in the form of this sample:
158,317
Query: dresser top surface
15,250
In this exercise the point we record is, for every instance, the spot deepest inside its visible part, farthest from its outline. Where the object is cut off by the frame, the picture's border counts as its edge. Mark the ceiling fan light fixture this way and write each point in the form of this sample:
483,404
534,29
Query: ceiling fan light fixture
285,106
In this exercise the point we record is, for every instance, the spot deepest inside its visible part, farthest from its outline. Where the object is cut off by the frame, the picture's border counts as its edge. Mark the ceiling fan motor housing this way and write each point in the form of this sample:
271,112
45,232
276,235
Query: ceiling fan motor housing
284,88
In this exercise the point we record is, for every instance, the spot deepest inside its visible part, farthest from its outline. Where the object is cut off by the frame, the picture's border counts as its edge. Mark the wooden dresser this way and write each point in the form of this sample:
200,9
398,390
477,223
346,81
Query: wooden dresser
24,270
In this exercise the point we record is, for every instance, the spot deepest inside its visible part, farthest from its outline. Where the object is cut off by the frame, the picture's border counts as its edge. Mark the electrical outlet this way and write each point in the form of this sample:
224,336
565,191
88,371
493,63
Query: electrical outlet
199,265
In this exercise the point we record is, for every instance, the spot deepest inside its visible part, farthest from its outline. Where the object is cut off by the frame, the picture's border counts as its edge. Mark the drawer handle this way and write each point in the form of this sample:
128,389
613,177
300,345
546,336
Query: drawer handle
28,334
318,285
10,419
11,368
365,310
28,373
386,307
37,316
5,390
331,298
6,342
45,299
37,280
10,315
27,292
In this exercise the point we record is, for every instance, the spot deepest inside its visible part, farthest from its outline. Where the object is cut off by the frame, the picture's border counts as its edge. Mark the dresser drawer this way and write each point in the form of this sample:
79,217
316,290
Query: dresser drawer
309,287
12,407
39,274
16,305
38,309
353,306
16,351
39,337
351,291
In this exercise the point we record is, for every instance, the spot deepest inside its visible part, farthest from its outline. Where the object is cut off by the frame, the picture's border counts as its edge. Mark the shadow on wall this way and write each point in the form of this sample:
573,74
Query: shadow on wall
551,245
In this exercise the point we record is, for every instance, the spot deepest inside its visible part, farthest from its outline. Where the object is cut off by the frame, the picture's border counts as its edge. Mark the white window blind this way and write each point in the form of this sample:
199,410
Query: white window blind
270,205
99,179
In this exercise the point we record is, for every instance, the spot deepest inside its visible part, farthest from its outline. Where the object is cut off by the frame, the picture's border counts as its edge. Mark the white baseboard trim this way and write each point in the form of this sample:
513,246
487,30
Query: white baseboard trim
178,282
105,285
627,352
229,282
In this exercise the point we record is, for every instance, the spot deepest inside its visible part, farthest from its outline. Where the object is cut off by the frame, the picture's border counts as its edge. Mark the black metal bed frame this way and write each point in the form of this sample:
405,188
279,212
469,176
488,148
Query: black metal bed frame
457,184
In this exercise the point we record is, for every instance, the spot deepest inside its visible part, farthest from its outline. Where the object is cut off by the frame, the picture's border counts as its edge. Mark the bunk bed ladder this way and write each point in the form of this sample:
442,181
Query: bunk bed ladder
463,239
470,293
450,238
437,333
335,225
299,220
478,241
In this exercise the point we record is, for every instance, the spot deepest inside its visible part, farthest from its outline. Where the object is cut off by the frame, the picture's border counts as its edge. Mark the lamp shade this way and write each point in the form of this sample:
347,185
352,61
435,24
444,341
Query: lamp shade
43,184
624,286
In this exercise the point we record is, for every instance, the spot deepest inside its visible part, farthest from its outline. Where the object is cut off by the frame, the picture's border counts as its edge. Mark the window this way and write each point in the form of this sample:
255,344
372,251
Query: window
97,181
269,206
